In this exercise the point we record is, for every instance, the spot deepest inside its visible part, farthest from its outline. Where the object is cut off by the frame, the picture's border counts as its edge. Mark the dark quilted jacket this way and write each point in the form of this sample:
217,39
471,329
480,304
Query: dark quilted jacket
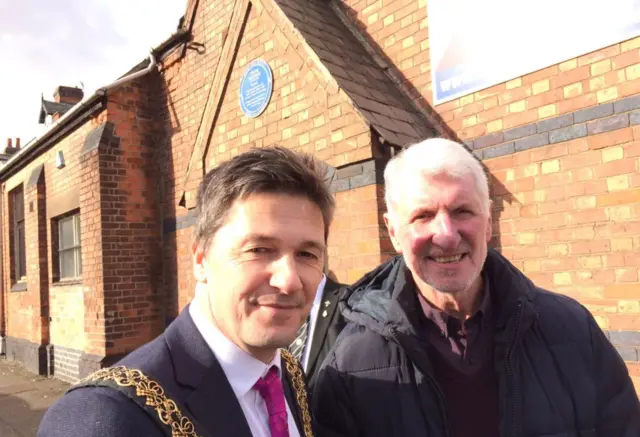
557,373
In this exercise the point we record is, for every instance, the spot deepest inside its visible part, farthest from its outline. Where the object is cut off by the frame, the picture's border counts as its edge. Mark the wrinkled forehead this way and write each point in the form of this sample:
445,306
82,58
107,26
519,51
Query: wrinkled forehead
420,190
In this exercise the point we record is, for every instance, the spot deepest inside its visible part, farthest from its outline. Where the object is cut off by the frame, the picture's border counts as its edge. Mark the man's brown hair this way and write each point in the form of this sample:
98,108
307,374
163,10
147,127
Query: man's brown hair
274,170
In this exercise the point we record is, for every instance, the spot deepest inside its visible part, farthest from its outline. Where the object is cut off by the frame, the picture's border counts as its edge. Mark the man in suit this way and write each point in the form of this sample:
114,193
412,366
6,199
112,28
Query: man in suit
219,370
318,334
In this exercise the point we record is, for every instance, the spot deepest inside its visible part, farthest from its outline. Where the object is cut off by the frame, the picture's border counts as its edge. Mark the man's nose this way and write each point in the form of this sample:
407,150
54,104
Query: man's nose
445,232
285,275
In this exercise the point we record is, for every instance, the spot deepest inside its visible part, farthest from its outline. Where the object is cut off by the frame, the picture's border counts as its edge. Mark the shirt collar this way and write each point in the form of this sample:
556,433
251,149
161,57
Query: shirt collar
241,369
319,292
441,319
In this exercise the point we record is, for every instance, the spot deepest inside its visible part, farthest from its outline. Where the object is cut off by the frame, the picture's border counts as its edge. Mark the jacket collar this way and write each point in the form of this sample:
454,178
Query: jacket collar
324,317
385,299
211,402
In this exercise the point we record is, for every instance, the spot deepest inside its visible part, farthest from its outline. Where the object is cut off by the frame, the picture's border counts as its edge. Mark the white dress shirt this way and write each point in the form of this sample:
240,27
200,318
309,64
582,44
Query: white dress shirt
243,371
313,318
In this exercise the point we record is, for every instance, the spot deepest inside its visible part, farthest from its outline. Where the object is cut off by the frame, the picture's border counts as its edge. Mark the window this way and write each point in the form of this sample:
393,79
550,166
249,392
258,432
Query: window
18,253
69,250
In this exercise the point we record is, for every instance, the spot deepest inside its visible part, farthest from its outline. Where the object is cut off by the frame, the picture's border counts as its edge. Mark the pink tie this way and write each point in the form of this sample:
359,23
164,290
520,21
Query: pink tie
270,388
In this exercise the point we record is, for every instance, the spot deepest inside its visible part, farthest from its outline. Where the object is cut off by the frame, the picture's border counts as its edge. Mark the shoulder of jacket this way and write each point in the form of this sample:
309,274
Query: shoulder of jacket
549,301
561,317
149,358
359,349
95,411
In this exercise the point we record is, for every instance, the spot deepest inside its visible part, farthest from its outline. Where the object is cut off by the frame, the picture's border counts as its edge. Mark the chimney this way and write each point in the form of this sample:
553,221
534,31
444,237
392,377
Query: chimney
11,149
67,94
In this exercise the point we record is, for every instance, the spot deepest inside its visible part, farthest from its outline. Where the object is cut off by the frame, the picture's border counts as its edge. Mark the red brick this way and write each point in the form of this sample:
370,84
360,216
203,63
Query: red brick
514,95
540,74
624,322
492,114
629,88
575,75
580,160
520,119
619,198
632,150
553,179
625,59
545,98
548,152
554,207
576,103
612,138
615,168
586,247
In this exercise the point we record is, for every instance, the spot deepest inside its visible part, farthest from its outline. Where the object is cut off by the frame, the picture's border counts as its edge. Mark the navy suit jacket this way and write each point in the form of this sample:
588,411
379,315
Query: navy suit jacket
182,362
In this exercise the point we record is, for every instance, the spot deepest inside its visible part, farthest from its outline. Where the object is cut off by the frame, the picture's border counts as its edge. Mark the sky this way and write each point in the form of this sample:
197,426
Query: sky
87,43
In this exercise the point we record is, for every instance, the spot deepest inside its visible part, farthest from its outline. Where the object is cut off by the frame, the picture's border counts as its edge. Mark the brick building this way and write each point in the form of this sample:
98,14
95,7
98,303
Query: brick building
351,84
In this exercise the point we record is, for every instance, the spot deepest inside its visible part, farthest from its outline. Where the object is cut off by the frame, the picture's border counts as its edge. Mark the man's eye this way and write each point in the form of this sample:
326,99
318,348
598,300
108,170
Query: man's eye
308,255
259,250
420,217
463,211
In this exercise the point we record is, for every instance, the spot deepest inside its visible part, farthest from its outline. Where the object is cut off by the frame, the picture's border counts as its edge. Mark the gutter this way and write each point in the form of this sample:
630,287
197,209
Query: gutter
89,104
3,291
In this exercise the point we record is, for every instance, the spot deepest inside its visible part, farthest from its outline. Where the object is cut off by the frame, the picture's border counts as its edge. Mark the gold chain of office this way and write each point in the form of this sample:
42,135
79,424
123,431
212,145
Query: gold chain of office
297,379
168,411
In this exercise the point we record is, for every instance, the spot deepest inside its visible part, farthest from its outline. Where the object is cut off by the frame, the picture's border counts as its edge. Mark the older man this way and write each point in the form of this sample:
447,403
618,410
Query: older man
219,370
450,339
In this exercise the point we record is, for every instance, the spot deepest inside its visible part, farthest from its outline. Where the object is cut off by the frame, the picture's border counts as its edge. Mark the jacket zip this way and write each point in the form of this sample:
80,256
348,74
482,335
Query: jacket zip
510,376
438,390
441,403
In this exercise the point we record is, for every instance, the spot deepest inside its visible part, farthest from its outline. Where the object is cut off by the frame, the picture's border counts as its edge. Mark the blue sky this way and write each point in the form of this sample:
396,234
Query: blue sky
86,43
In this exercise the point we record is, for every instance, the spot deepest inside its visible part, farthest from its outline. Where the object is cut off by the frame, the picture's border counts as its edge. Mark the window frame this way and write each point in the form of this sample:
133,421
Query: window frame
18,246
60,249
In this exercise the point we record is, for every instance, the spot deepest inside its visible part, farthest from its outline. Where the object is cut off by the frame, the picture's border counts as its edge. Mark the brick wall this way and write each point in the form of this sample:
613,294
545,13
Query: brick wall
605,75
397,32
568,210
130,237
358,240
66,363
561,144
110,177
49,192
307,112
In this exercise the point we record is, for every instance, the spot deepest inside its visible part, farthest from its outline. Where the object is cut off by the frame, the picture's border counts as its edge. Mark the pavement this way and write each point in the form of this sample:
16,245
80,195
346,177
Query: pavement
24,397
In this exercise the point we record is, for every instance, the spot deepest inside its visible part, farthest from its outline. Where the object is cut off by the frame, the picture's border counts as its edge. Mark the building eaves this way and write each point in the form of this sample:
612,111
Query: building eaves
85,108
389,111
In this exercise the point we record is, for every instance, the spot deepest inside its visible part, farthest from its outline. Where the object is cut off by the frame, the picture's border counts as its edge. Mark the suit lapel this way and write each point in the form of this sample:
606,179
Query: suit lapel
212,403
328,307
215,406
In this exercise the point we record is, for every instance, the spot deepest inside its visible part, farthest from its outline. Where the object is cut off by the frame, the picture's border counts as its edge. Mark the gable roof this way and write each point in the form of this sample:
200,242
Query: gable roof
389,111
50,108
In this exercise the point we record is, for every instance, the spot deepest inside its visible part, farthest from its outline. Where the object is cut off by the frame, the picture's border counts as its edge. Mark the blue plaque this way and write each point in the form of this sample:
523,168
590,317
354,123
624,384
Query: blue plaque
256,88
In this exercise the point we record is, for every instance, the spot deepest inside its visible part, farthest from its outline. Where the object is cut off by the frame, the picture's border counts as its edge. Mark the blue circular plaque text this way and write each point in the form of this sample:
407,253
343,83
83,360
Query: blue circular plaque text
256,88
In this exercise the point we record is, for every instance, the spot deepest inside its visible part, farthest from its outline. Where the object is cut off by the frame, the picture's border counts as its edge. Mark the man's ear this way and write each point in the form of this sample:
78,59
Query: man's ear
490,222
391,229
199,260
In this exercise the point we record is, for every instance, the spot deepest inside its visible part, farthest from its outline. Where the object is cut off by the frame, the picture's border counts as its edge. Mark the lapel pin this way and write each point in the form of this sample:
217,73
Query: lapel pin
327,303
324,313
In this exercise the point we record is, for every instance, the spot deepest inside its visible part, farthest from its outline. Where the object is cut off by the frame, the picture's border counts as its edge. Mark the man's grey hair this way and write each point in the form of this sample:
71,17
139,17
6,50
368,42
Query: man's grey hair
433,157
